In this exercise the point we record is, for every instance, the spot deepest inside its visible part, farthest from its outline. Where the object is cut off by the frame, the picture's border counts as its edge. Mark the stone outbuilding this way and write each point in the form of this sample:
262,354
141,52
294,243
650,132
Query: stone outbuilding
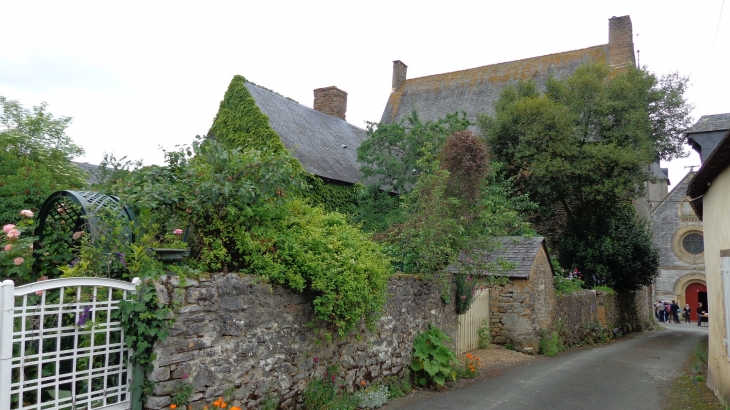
522,308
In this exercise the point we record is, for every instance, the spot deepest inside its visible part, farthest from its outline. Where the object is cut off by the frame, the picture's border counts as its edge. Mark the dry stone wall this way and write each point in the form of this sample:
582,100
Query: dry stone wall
234,332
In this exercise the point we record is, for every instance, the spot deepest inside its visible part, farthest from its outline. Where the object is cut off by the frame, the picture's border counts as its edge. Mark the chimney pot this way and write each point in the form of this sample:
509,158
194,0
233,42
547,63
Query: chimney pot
331,101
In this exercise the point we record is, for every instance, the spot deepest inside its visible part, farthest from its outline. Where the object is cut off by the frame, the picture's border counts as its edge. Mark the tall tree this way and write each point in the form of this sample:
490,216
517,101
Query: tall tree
35,157
585,143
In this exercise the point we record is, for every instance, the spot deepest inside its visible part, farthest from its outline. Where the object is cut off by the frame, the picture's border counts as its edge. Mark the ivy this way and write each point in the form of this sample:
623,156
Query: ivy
144,321
331,196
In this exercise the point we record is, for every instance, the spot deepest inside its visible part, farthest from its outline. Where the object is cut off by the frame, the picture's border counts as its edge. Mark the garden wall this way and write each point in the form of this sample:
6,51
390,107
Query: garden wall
577,314
232,331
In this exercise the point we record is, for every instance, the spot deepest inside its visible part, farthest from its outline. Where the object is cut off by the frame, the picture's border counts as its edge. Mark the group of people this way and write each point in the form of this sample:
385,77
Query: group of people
669,312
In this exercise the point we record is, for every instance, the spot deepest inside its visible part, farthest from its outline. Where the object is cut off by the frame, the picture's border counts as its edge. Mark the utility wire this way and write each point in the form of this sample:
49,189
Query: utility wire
718,24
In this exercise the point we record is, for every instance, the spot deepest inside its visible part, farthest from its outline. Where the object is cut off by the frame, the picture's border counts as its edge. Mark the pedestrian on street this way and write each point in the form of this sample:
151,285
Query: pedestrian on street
675,312
687,310
667,312
699,314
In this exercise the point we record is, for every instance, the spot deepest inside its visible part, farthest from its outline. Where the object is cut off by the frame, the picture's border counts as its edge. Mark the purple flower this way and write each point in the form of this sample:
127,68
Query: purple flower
85,315
185,376
122,258
316,359
463,297
615,330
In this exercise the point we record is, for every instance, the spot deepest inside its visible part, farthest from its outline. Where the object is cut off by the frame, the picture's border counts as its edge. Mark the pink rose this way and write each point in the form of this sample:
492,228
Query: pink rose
8,227
77,235
178,231
18,260
9,247
26,213
13,233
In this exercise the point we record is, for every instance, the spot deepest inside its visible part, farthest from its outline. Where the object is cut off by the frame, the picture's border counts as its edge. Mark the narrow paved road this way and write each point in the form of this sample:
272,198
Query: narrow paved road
627,374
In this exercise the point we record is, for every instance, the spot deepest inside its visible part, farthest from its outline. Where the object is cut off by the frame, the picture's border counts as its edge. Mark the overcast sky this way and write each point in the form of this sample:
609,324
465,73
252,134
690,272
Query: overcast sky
138,75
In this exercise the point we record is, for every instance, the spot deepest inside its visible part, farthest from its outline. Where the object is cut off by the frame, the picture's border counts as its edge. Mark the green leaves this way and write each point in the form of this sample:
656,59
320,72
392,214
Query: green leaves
391,152
431,360
583,148
35,157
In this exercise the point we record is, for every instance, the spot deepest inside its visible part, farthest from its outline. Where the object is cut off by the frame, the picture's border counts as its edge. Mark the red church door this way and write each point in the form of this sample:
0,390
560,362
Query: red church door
696,292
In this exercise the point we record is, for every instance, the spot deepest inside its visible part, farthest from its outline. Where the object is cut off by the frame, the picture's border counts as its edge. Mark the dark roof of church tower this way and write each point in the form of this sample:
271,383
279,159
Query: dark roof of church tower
475,90
325,145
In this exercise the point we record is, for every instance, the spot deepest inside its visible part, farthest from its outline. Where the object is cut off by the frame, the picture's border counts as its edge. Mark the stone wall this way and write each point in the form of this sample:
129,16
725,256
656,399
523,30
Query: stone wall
233,331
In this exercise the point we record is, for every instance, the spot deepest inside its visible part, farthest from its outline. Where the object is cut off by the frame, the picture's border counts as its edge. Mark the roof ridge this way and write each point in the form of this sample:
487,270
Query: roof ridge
289,100
506,62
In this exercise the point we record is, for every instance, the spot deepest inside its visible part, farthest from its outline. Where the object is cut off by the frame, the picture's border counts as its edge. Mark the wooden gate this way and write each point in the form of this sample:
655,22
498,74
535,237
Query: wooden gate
467,336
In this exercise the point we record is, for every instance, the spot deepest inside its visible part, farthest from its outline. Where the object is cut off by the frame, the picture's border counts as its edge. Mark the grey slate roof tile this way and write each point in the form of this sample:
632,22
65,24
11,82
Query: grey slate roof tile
325,145
707,123
515,249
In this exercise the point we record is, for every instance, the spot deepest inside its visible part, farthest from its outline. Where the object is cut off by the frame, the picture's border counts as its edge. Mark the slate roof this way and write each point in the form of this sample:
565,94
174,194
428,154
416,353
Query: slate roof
516,249
717,162
475,90
708,123
325,145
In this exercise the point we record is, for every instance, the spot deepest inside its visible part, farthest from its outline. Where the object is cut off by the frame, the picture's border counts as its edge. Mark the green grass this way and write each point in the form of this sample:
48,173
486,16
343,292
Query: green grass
688,390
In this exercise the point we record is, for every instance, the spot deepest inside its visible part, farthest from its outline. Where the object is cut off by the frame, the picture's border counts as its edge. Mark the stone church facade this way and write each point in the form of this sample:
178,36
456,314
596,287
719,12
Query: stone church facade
679,236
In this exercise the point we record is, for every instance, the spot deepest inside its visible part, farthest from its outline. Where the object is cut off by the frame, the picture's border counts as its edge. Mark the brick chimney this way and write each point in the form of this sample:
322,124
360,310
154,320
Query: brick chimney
620,42
331,101
399,74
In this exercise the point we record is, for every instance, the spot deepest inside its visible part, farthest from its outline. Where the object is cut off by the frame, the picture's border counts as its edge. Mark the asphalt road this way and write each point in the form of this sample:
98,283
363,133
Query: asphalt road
623,375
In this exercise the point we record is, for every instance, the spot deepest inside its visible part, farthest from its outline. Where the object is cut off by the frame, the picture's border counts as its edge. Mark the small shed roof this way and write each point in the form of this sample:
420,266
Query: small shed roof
325,145
519,250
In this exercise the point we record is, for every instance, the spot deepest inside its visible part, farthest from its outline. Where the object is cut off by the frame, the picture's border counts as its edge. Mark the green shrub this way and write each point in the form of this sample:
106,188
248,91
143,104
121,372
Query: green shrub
549,344
431,358
485,337
565,286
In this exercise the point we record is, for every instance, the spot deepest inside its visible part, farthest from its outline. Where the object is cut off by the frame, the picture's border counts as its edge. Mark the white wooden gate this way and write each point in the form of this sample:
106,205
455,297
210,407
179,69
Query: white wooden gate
62,346
467,337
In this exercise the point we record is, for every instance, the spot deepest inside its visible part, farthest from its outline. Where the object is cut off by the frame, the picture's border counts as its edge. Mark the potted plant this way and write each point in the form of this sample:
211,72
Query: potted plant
172,248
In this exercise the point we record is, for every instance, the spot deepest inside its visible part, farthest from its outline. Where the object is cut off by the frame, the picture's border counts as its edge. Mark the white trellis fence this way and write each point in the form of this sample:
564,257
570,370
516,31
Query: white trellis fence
467,336
62,346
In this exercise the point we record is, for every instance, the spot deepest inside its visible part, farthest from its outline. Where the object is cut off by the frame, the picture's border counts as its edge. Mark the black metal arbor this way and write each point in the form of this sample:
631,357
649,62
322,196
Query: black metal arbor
84,211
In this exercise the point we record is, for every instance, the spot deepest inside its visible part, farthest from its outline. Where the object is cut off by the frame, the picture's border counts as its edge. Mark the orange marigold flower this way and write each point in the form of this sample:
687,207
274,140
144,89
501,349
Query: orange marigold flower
362,382
223,405
173,406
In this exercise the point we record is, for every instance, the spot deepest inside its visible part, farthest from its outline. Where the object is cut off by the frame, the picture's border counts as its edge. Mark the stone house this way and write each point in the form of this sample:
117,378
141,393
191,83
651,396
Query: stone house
522,308
709,191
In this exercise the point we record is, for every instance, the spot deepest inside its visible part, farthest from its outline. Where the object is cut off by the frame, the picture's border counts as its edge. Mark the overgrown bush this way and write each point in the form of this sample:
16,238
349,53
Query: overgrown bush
372,398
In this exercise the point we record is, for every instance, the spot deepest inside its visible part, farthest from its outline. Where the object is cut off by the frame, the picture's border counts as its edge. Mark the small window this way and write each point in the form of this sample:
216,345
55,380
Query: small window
693,243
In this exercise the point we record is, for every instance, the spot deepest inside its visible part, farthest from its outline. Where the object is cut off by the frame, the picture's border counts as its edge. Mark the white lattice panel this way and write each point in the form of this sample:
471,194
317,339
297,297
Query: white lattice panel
62,346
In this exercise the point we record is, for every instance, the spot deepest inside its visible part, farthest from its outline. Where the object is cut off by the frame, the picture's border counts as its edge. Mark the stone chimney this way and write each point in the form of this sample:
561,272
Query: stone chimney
620,42
331,101
399,74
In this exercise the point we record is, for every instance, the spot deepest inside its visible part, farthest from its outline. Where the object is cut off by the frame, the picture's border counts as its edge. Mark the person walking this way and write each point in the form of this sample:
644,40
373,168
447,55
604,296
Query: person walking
699,314
675,312
687,310
667,312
